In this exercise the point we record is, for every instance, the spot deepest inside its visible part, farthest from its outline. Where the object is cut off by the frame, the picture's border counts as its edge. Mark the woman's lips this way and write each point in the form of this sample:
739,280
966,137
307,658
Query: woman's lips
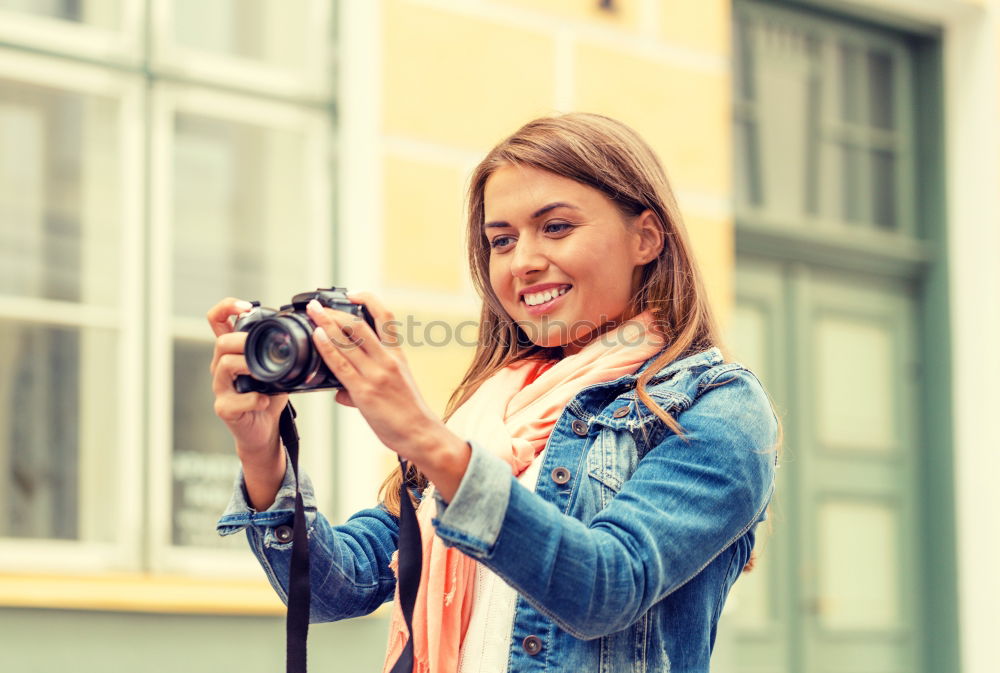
547,306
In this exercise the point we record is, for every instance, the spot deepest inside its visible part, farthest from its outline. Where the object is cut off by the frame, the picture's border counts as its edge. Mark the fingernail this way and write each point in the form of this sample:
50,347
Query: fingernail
314,305
243,305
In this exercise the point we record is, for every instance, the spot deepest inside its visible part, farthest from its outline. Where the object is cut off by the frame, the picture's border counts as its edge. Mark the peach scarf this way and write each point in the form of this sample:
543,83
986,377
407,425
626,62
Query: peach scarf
511,418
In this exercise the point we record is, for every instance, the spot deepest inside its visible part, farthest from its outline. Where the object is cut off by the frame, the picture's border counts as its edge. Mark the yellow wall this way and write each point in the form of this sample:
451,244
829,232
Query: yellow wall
459,76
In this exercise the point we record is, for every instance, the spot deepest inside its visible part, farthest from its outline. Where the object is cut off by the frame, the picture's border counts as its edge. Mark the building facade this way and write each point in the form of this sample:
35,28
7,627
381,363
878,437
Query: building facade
838,167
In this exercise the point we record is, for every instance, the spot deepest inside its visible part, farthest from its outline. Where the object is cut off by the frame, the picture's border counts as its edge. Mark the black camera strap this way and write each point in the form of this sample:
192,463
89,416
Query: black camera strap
297,621
409,562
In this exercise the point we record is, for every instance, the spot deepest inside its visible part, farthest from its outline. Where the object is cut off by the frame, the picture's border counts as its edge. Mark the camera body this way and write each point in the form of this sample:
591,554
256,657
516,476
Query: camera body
279,349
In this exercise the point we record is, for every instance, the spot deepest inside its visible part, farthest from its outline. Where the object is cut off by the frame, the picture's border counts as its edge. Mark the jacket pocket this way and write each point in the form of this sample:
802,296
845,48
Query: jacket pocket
611,460
628,651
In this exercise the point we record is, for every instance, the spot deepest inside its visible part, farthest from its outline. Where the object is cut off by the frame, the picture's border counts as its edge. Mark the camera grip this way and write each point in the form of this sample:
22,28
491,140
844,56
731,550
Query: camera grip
248,384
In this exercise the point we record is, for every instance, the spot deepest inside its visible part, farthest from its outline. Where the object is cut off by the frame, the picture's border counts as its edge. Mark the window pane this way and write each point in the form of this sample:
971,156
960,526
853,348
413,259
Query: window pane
258,30
881,93
747,183
884,189
240,219
850,83
240,229
743,72
204,462
58,401
852,208
101,13
59,208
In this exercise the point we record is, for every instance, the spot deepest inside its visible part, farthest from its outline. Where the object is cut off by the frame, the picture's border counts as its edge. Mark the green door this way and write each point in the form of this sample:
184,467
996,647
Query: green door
837,587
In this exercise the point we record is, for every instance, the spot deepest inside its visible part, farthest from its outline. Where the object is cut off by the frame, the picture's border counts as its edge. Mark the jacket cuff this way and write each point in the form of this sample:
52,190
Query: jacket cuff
472,520
240,513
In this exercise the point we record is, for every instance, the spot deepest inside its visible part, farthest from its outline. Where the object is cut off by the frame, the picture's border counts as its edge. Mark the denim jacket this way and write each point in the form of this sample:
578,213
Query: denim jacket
623,555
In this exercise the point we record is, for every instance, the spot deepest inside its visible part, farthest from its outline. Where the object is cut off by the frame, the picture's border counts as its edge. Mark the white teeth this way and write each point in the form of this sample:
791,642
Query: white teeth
537,298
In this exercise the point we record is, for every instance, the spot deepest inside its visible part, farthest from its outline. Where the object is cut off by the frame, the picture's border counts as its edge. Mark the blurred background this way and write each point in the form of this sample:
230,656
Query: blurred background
838,167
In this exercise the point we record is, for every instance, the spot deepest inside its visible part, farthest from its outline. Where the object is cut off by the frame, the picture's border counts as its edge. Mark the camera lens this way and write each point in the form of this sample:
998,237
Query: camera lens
277,350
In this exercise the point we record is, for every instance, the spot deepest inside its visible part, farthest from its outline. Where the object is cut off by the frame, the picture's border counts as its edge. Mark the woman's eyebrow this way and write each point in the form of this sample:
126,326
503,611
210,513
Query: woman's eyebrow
538,213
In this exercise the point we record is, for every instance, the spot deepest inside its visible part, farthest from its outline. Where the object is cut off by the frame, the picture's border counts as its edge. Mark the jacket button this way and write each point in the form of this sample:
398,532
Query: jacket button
579,427
622,411
532,645
283,533
560,475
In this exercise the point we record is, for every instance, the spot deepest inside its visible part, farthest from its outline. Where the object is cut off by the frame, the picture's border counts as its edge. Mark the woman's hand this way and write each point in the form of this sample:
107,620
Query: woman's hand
252,418
377,380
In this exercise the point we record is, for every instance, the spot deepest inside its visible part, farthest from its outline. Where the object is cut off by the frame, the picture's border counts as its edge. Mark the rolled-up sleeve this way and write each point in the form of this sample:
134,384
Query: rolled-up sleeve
239,513
473,517
348,564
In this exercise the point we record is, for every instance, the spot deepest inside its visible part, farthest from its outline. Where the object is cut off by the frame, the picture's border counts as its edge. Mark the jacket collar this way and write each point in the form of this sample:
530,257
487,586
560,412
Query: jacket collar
595,397
710,357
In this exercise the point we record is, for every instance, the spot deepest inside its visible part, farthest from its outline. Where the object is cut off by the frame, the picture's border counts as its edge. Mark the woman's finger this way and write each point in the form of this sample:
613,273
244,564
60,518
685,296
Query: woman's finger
350,343
339,365
233,342
359,334
343,397
277,403
388,328
229,366
230,407
219,315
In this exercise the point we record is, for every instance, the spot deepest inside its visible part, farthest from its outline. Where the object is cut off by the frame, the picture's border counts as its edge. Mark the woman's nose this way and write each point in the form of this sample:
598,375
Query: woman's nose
528,258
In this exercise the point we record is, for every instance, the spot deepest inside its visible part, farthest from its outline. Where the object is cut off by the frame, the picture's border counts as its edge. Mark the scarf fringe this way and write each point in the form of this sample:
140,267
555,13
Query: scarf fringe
453,581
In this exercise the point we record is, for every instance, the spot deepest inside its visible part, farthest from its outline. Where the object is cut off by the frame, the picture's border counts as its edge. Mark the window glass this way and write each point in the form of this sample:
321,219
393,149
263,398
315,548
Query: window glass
59,212
241,218
60,238
204,463
58,432
101,13
882,95
257,30
833,97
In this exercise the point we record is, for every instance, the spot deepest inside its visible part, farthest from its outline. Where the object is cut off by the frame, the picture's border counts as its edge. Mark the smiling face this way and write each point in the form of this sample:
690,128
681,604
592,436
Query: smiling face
564,261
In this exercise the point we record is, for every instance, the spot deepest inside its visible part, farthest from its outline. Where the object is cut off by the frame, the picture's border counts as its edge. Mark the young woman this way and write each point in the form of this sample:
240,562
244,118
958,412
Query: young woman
593,490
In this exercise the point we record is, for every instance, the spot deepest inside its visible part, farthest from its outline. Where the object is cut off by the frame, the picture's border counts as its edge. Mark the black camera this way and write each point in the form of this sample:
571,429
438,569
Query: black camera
279,349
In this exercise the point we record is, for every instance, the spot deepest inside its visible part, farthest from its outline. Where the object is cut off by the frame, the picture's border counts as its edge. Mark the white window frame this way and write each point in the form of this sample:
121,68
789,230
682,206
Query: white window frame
315,419
359,246
82,40
124,551
198,64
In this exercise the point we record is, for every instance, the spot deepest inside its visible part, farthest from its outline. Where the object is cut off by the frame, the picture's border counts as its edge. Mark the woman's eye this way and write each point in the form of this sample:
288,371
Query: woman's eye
557,227
499,242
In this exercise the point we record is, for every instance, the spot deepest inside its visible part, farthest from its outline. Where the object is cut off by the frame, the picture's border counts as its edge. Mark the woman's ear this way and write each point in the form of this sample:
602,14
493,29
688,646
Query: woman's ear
650,236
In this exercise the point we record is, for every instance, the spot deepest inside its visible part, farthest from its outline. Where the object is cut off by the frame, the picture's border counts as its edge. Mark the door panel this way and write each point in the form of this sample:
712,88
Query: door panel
855,349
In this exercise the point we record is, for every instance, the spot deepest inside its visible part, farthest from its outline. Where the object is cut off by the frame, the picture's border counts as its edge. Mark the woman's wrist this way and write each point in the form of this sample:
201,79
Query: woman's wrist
443,459
263,472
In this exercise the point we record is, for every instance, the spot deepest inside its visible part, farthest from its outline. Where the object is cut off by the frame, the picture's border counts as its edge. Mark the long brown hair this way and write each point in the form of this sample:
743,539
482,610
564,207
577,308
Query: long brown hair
609,156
